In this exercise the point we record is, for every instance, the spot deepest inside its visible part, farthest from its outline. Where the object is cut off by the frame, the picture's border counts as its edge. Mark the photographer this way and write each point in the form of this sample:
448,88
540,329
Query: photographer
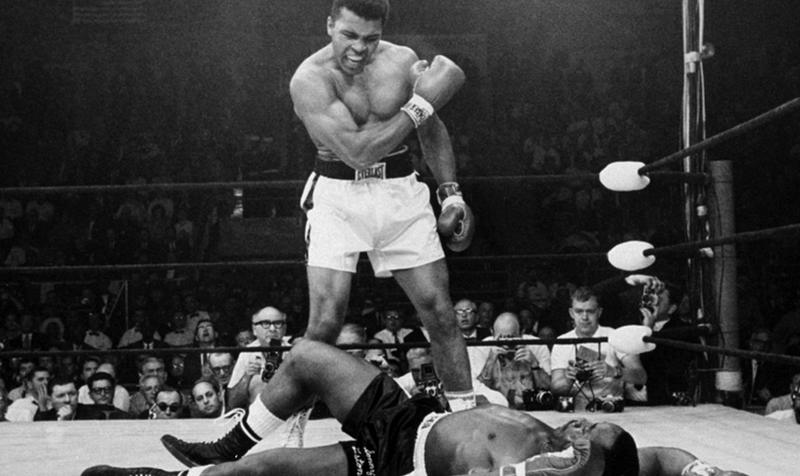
670,378
421,379
591,373
517,371
253,370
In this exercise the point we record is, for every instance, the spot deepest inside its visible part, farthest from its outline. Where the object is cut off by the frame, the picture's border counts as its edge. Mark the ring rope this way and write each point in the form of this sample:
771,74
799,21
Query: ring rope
749,354
294,184
682,247
284,348
117,268
736,130
736,238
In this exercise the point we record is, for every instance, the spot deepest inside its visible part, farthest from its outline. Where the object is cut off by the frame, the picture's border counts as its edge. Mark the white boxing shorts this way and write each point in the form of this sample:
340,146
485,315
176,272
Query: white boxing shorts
390,219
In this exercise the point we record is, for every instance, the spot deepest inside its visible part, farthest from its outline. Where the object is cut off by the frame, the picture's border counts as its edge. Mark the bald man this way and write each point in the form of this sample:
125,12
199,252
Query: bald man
246,382
513,369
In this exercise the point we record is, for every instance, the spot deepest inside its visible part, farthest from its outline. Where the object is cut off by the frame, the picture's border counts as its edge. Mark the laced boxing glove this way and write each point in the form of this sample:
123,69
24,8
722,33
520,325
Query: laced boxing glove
434,86
456,223
699,468
578,460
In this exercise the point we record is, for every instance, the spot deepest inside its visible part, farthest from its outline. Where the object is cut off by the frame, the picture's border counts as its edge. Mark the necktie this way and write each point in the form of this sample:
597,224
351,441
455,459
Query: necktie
26,342
391,352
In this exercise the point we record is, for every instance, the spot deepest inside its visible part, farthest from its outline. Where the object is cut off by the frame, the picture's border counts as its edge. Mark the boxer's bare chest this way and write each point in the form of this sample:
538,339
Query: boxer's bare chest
374,95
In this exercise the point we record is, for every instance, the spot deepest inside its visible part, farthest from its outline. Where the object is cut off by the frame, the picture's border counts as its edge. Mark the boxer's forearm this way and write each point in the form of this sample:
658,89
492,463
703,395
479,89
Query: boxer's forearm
437,150
238,395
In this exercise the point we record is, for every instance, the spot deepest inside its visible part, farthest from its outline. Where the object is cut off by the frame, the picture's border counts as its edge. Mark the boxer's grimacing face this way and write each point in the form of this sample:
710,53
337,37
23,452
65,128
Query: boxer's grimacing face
354,40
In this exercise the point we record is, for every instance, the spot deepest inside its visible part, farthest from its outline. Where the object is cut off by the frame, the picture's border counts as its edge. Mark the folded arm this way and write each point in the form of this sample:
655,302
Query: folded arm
330,123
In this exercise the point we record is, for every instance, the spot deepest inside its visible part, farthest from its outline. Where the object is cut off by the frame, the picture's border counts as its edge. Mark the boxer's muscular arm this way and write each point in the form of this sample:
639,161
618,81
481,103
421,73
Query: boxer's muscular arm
437,149
238,395
329,122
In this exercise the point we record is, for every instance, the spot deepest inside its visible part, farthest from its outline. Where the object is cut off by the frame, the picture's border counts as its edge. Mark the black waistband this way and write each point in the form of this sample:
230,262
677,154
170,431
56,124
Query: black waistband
397,165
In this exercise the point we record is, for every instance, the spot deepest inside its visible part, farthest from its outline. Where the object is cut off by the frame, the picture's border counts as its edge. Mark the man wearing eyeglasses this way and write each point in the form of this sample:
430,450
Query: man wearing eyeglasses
247,380
120,397
393,332
169,405
221,364
467,320
466,312
101,390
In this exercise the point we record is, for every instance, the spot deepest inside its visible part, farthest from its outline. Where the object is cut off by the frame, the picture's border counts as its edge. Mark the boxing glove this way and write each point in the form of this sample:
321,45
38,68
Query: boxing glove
456,223
434,86
578,460
699,468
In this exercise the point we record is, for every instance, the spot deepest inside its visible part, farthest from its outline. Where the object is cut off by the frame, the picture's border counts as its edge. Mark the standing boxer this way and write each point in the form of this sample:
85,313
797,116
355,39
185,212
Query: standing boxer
359,98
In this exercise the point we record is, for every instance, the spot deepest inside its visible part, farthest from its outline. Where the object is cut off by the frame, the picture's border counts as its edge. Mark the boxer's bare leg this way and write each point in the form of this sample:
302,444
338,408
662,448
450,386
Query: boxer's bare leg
318,370
428,288
328,294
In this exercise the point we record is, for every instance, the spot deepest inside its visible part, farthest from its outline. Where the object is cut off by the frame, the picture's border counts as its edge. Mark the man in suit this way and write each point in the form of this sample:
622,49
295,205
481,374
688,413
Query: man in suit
393,332
196,365
670,378
135,334
29,338
147,342
762,380
95,337
467,319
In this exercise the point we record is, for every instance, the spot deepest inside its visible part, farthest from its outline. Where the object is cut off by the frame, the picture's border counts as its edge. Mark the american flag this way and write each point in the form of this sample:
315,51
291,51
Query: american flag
99,12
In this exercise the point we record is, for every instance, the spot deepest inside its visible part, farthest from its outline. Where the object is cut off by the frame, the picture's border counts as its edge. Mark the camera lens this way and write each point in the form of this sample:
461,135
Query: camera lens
544,398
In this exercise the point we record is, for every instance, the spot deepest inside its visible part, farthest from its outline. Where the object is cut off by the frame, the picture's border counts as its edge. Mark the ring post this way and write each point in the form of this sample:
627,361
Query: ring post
729,377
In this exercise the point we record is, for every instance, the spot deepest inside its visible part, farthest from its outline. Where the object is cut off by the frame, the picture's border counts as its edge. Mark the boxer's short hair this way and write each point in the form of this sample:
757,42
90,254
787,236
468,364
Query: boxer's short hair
367,9
622,459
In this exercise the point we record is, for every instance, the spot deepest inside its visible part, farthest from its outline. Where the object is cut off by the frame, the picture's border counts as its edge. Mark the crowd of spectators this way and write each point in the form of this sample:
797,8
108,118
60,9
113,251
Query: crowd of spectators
193,379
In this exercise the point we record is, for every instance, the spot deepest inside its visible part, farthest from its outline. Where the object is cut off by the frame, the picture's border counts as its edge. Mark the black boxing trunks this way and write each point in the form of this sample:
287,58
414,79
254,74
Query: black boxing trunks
384,422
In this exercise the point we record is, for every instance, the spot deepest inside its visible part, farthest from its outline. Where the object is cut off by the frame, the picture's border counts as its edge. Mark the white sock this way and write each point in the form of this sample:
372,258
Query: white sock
197,470
262,421
295,428
460,400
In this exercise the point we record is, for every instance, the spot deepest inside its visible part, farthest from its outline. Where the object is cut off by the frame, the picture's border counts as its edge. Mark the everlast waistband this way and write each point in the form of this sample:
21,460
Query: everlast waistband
395,165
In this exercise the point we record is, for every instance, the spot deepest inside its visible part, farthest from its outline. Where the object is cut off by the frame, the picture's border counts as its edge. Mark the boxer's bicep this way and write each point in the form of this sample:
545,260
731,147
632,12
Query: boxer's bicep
327,119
